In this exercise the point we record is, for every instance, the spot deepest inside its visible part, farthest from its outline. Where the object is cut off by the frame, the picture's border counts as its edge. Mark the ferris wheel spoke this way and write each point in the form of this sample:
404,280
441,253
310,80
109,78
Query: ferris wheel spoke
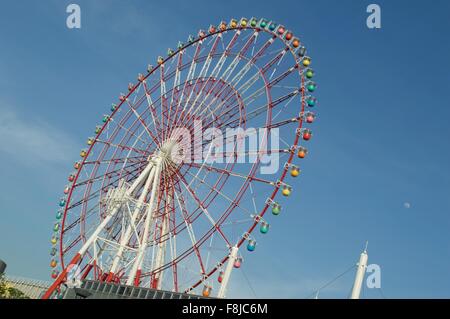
282,76
120,125
238,134
217,68
209,249
234,154
134,166
142,104
118,160
238,222
188,270
230,173
205,211
160,102
262,109
238,77
186,217
231,201
156,123
125,140
252,61
78,219
190,116
228,70
281,110
193,66
187,83
164,106
102,155
261,73
123,147
276,60
226,75
144,125
283,123
205,67
175,89
72,244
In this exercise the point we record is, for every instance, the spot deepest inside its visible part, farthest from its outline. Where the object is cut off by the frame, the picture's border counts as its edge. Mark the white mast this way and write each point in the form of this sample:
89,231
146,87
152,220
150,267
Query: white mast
359,278
227,273
148,222
126,237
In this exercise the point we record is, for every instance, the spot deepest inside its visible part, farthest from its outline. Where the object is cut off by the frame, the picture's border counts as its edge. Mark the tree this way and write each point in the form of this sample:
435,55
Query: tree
8,292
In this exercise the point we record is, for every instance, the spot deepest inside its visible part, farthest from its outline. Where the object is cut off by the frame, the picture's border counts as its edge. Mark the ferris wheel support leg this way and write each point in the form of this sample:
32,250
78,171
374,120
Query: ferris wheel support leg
105,221
126,237
148,221
76,259
137,279
227,273
87,271
62,277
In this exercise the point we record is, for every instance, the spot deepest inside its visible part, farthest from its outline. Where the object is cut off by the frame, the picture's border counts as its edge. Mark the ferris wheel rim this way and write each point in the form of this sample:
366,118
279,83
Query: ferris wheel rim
137,85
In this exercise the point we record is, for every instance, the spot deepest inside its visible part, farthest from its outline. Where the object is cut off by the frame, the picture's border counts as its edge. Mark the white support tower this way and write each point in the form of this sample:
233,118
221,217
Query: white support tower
360,272
149,219
140,216
149,174
227,273
136,184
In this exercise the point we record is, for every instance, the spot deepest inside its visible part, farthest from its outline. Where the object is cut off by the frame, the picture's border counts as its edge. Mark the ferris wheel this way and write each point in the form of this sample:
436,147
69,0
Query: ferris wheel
154,203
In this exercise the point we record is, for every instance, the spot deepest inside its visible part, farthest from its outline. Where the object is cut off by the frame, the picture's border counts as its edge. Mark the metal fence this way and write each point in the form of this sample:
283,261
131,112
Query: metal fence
32,288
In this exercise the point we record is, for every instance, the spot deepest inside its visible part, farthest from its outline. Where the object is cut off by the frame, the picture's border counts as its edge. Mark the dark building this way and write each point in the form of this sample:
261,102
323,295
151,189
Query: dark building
102,290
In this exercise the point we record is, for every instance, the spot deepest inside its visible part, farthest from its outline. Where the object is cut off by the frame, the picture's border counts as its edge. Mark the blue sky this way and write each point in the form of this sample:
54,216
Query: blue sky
381,139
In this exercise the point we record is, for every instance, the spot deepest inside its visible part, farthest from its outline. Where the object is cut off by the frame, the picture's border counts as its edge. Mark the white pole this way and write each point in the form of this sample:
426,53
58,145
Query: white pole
148,221
105,221
227,273
126,237
360,272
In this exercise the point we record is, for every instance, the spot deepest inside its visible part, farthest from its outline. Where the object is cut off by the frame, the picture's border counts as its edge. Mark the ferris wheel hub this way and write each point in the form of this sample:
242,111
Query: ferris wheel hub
169,152
167,149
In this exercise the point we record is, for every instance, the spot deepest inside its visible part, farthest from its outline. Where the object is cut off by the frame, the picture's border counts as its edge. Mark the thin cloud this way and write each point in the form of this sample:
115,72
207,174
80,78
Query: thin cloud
30,140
